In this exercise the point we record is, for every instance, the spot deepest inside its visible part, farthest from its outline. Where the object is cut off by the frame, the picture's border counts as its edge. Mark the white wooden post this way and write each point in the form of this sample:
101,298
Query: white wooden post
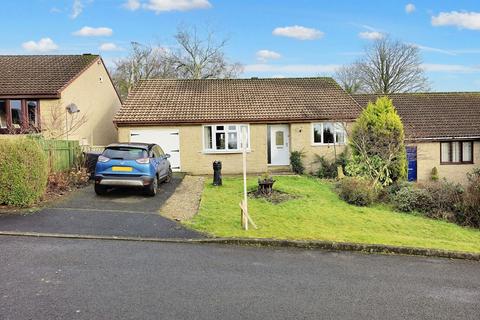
244,152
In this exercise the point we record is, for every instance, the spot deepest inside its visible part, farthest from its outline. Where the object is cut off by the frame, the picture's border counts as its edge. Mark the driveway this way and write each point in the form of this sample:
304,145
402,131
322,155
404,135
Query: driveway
121,212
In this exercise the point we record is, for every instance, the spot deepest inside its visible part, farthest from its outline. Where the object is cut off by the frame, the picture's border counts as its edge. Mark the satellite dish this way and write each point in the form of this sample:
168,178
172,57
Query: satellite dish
72,108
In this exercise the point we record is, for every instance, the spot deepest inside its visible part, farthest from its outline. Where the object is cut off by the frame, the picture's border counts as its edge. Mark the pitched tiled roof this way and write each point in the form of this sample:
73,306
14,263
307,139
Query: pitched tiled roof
254,100
41,75
435,115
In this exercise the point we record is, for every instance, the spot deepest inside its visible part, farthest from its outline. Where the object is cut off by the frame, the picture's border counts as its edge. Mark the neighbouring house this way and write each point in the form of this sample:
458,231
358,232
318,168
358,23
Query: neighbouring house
199,121
62,96
442,130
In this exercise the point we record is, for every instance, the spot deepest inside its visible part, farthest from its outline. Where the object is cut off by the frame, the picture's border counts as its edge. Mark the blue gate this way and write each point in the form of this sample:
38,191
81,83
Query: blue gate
412,163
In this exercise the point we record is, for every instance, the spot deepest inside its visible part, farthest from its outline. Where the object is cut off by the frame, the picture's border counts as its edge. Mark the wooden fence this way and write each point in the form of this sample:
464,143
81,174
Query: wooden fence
62,154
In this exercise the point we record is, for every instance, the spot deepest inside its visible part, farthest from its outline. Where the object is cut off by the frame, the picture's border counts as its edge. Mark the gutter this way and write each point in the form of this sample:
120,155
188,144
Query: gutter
444,138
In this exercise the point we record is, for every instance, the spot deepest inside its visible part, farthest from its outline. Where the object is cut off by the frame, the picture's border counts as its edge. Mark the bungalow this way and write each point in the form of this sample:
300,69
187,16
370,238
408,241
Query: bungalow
199,121
66,96
442,130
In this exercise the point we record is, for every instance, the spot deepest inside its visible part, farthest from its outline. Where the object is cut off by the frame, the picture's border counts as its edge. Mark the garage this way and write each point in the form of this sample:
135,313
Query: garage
167,138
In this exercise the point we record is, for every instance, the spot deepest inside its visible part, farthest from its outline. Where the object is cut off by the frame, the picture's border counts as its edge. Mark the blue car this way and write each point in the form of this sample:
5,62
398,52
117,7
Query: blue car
139,165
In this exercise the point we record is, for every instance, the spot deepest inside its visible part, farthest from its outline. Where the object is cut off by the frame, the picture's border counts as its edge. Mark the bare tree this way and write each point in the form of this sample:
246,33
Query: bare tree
59,124
201,58
143,62
388,66
348,78
391,66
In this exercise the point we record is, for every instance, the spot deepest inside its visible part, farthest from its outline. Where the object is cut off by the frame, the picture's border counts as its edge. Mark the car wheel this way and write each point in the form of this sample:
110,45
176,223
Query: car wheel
151,190
168,178
100,190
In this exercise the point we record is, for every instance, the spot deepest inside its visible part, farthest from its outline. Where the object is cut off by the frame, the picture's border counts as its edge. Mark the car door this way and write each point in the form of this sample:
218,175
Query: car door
154,160
163,163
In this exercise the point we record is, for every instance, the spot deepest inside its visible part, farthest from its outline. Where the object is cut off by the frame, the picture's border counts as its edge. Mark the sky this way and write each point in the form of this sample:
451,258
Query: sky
270,38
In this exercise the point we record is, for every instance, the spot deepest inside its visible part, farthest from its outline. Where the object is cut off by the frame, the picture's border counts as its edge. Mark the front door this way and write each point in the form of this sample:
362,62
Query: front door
279,150
412,163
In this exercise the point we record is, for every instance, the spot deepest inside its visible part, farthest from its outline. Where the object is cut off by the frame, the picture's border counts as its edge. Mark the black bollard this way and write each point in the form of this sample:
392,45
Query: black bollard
217,173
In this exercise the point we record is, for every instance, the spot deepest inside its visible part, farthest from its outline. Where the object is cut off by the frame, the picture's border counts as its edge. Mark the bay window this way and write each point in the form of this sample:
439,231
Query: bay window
456,152
19,115
224,137
329,133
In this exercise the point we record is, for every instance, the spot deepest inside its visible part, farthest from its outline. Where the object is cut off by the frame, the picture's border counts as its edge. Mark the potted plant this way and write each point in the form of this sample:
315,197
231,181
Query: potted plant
265,184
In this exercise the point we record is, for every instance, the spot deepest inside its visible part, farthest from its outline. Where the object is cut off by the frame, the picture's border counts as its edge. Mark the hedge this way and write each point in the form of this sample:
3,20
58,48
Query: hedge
23,172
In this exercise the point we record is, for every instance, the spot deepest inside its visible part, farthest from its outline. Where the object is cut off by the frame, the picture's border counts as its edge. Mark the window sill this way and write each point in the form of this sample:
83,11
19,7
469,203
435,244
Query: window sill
224,151
455,163
327,144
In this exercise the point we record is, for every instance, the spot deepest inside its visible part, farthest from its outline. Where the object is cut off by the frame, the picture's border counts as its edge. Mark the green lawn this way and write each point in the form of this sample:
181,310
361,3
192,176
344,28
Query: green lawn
319,214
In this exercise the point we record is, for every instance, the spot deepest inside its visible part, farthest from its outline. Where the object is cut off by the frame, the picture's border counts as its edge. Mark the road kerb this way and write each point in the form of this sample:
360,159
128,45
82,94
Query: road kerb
323,245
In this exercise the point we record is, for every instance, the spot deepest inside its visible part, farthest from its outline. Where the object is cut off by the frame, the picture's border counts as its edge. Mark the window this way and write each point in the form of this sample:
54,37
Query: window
158,152
224,137
3,114
328,132
19,115
279,138
125,153
456,152
16,113
32,113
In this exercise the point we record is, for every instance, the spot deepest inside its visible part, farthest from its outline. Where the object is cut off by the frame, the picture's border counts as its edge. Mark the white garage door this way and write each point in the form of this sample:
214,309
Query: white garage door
167,138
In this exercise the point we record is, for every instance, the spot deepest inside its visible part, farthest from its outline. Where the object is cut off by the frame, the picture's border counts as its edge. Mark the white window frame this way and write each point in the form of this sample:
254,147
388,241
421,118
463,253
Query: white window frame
226,150
335,124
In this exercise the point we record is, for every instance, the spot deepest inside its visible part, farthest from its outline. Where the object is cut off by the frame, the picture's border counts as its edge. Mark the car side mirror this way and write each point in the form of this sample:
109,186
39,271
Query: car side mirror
167,155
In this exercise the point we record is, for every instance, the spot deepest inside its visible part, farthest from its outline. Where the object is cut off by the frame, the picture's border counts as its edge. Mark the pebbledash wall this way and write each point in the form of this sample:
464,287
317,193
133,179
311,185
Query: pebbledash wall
428,157
95,96
194,160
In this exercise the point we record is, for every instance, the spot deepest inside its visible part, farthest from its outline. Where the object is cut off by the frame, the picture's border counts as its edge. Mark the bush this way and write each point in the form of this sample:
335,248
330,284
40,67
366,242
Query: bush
326,169
439,200
60,182
434,174
357,191
471,211
409,199
447,199
329,169
296,161
23,172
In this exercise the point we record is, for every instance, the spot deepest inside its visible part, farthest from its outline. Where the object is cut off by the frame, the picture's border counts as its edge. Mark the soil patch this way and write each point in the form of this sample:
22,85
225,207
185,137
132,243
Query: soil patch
274,197
184,203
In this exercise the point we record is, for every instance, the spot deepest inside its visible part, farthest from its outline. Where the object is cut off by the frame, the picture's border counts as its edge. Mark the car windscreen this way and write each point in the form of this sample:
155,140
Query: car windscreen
125,153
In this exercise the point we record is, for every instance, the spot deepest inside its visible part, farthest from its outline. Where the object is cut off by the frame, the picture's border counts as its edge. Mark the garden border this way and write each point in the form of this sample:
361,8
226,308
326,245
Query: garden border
322,245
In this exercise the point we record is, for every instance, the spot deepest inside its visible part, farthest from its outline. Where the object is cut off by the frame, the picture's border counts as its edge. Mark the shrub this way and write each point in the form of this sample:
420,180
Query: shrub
471,211
434,174
377,143
296,161
328,169
447,199
23,172
60,182
412,199
357,191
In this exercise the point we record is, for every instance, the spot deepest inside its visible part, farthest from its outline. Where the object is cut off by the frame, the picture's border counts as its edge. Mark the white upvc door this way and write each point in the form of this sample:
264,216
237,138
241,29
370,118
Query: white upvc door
167,138
279,144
